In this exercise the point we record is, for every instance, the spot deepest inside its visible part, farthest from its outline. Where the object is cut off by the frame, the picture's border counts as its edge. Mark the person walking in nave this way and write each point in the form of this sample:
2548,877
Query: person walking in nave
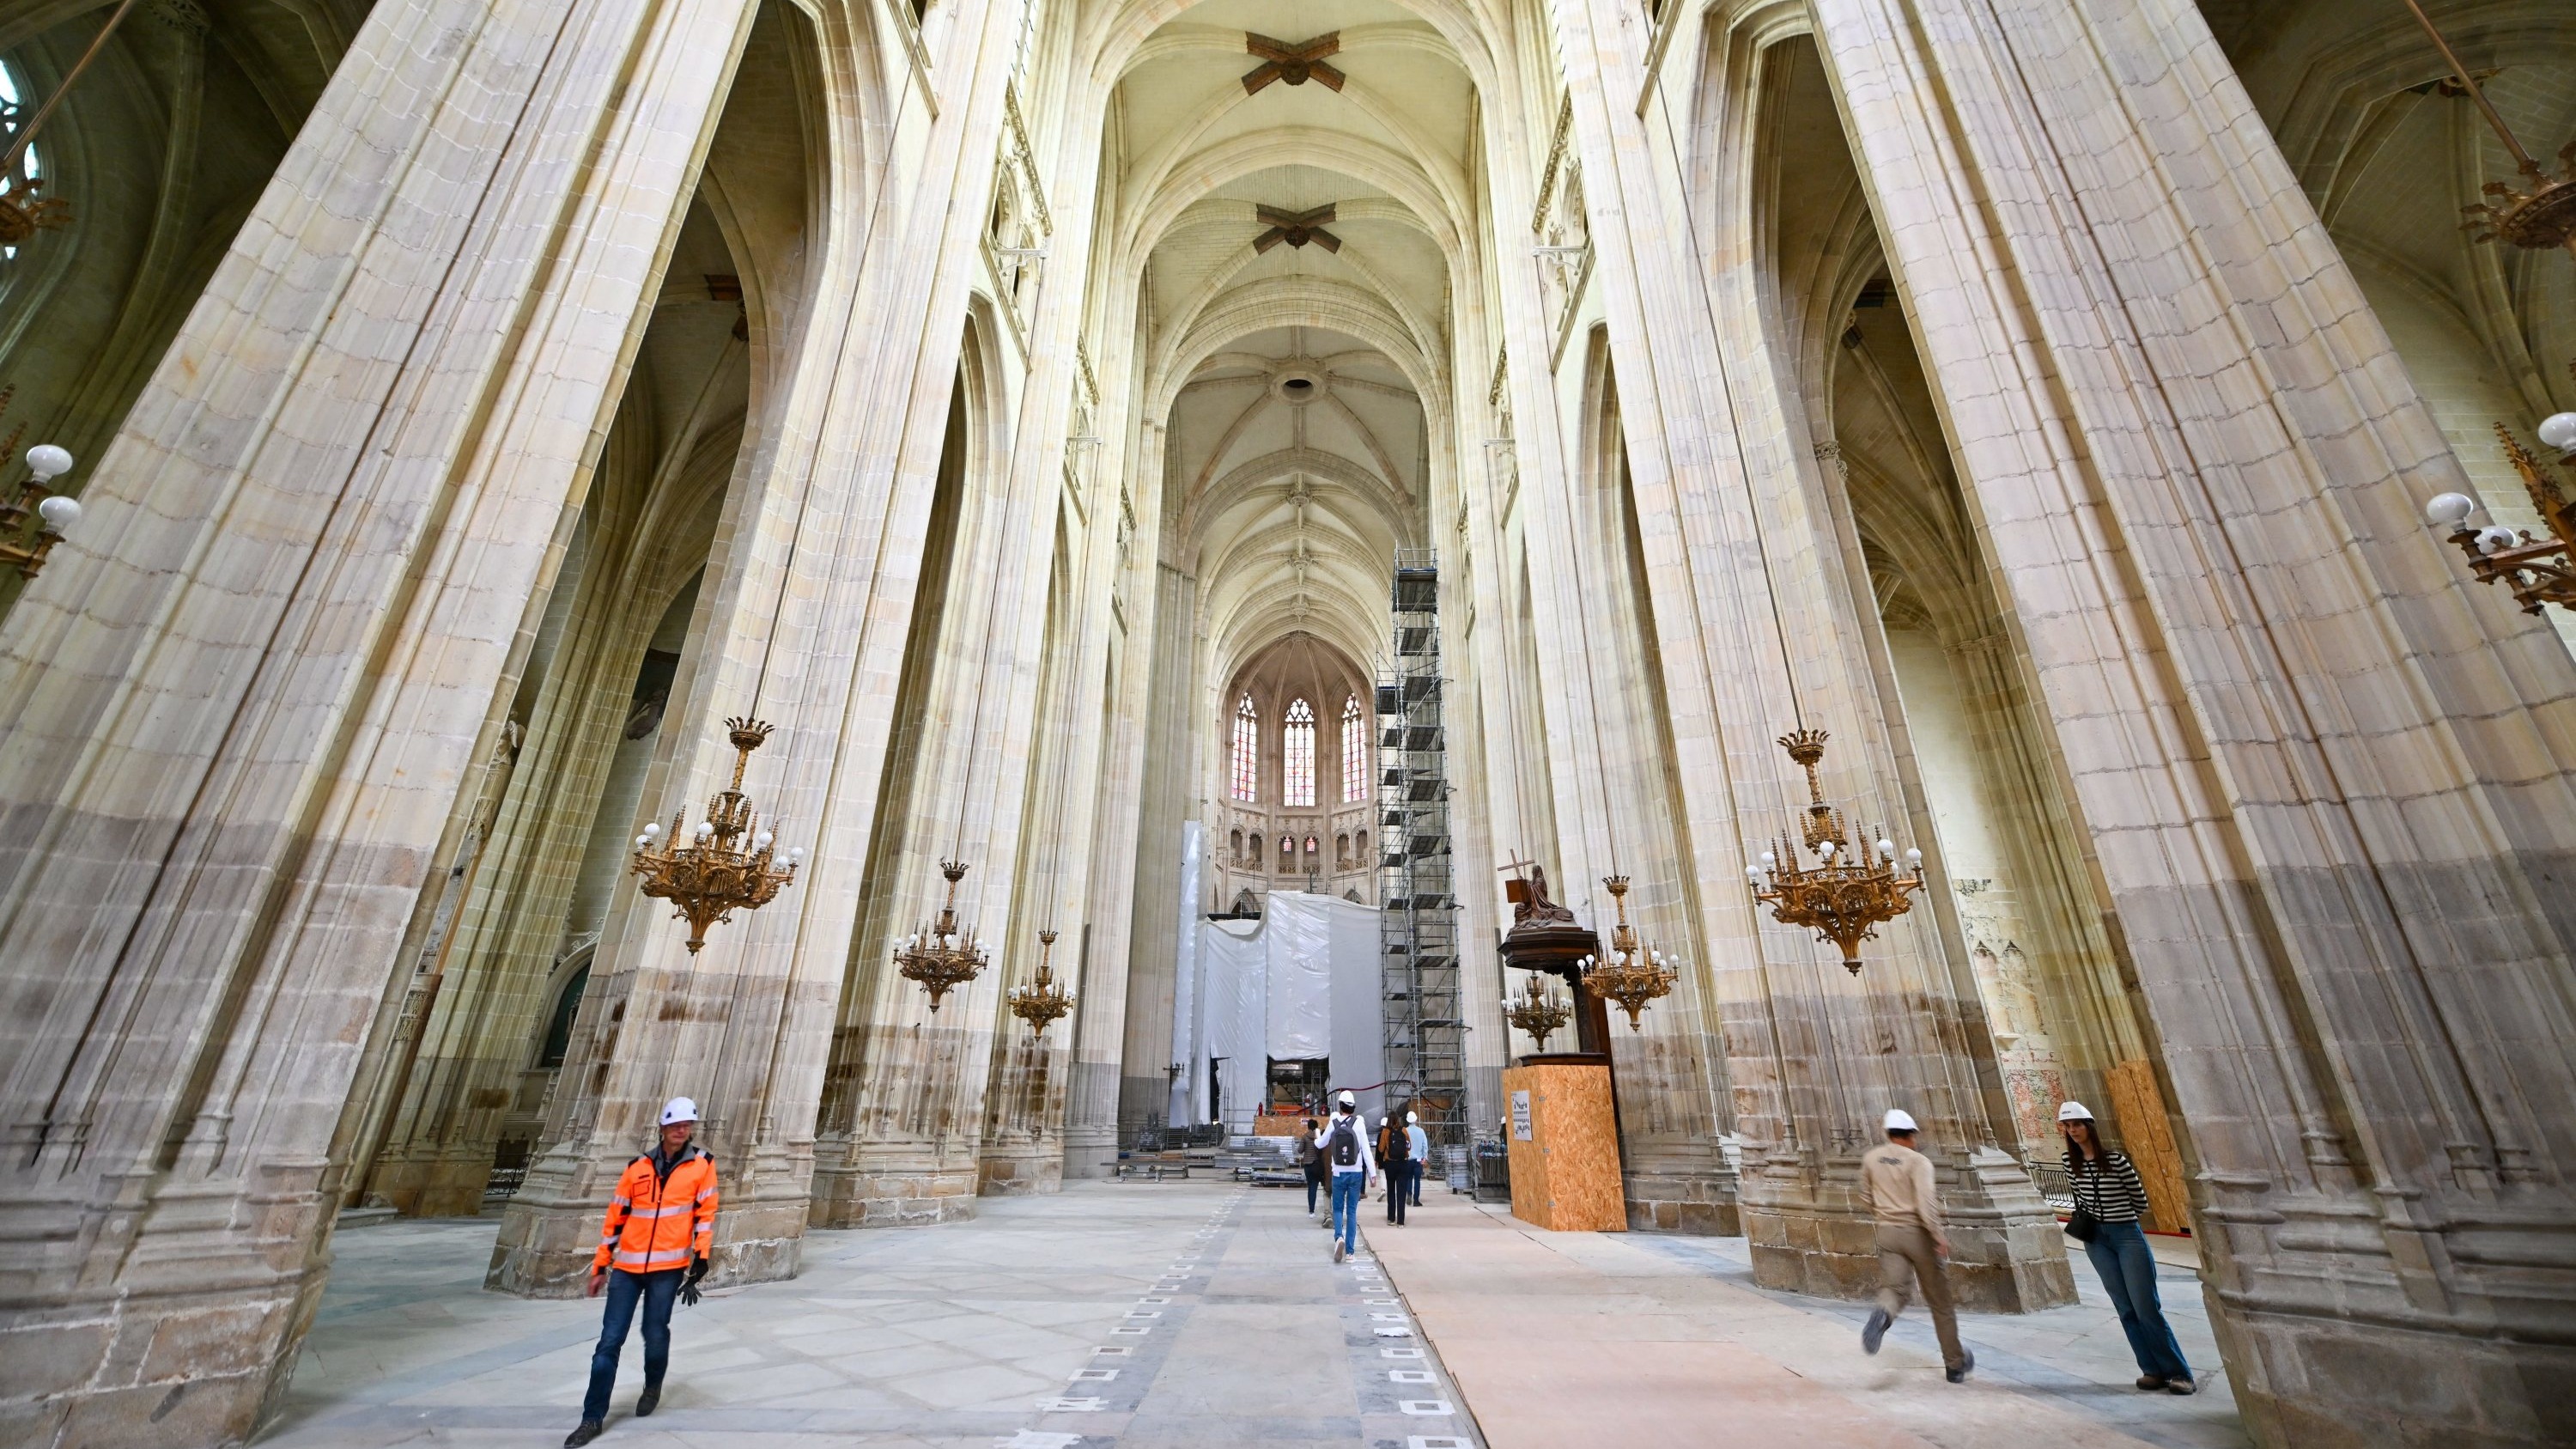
2110,1198
1395,1151
1896,1182
1310,1160
1420,1141
653,1250
1353,1167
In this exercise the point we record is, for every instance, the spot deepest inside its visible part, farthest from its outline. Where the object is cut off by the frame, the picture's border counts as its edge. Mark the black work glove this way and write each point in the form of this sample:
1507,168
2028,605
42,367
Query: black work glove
689,1286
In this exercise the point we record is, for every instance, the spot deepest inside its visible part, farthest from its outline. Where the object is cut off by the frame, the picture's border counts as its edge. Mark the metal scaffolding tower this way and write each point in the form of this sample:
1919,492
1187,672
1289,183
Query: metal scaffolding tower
1426,1060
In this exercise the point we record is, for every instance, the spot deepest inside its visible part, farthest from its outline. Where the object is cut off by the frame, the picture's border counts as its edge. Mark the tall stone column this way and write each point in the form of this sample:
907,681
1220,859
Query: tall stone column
1757,634
803,619
242,700
2330,781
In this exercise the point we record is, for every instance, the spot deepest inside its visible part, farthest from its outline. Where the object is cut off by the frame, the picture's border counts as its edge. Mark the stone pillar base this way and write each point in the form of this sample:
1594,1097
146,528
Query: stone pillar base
1034,1168
2347,1383
435,1187
1682,1188
848,1197
2006,1252
1091,1151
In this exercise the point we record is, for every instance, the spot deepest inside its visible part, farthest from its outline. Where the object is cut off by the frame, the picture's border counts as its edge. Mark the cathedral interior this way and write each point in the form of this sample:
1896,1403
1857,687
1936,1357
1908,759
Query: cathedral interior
856,560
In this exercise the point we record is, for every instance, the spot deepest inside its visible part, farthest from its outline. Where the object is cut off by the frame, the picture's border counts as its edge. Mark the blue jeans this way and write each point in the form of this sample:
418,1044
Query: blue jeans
2120,1254
658,1291
1348,1188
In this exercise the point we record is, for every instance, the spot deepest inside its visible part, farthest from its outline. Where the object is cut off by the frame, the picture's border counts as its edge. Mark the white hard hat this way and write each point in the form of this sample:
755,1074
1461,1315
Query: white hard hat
1410,1118
2074,1112
679,1109
1897,1121
1348,1100
1383,1121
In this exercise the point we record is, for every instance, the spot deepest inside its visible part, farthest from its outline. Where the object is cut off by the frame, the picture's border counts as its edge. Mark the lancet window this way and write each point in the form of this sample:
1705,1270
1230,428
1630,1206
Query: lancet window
1297,755
1247,751
1354,752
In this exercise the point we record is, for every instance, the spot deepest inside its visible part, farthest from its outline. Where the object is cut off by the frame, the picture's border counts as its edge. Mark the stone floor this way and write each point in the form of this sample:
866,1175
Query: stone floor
1152,1316
1149,1316
1642,1339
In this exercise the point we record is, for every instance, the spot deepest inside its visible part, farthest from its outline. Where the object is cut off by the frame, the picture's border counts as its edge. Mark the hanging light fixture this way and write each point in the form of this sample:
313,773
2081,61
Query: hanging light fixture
712,876
1540,1009
1041,1001
1846,895
940,956
52,511
2537,571
2541,218
1634,973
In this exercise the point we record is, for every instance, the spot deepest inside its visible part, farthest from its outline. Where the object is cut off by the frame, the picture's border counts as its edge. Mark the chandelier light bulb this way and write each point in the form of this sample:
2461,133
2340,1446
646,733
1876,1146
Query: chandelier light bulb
1826,850
796,854
2558,430
643,842
653,831
2447,509
706,828
762,840
1753,873
59,513
2494,538
1887,850
1769,859
1914,857
47,461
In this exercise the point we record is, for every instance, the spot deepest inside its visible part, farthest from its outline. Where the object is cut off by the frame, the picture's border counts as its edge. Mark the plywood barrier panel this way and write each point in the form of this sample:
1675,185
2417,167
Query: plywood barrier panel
1564,1149
2147,1136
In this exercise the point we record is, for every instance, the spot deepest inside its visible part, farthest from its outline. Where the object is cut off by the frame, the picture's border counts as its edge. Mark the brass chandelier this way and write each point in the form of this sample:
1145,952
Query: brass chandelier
2541,217
1846,895
1636,973
718,872
23,209
1041,1001
1540,1009
940,956
2537,571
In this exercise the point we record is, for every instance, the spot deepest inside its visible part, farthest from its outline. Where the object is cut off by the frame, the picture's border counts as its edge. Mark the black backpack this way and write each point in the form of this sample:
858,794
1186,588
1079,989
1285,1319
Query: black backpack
1344,1143
1399,1143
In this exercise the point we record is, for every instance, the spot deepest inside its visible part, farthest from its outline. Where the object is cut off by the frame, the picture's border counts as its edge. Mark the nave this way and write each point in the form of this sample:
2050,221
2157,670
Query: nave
1158,1316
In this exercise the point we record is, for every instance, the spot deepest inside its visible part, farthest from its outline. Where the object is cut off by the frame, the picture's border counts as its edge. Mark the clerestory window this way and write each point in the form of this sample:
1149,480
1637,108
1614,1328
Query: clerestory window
1247,751
1297,755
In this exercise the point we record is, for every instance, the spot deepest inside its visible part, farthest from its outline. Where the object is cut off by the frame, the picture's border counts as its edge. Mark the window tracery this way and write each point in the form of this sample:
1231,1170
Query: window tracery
1297,756
1247,752
1354,752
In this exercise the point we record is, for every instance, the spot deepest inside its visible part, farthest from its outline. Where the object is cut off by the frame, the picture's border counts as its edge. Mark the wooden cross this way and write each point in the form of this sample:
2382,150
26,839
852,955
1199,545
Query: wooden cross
1516,890
1296,228
1295,64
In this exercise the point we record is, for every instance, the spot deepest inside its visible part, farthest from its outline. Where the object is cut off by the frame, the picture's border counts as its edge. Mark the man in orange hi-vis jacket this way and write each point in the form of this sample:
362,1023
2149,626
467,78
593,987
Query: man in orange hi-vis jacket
661,1228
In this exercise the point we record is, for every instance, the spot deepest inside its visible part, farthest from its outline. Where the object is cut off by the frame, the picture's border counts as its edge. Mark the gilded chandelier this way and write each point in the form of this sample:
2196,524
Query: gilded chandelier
1540,1009
2536,571
940,956
1846,895
718,872
2541,216
1041,1001
1636,973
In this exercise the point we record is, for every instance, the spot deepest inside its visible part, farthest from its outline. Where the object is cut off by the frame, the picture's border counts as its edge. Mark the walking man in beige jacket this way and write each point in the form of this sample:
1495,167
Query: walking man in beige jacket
1896,1182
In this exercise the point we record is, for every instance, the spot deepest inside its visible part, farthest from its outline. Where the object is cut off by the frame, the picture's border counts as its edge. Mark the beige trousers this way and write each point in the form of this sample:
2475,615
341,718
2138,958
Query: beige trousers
1905,1256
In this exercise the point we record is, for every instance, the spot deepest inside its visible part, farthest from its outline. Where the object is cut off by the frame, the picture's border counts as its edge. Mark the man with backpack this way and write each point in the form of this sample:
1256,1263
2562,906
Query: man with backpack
1345,1148
1310,1160
1398,1155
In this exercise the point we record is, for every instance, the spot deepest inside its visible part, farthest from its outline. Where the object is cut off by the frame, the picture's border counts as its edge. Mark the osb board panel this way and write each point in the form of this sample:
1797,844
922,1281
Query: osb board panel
1566,1177
2146,1134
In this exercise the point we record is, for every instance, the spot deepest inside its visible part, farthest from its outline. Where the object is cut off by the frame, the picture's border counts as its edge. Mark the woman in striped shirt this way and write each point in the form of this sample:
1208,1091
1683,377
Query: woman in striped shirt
2107,1187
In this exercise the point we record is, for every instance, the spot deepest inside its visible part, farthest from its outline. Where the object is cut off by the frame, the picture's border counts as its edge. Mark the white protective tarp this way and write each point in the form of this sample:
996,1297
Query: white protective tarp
1233,999
1183,1107
1297,934
1300,984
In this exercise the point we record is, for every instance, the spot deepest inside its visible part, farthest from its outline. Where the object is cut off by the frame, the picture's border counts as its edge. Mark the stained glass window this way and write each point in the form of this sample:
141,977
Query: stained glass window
14,112
1247,751
1297,755
1354,752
